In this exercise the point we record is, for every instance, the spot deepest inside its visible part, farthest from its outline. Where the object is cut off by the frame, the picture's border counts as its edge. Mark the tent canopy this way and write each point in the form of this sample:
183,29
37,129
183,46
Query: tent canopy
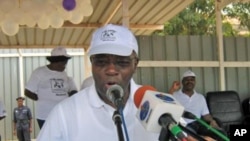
142,16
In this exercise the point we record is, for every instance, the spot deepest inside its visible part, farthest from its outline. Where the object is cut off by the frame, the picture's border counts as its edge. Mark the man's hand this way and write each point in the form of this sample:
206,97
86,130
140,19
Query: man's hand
214,124
175,86
190,138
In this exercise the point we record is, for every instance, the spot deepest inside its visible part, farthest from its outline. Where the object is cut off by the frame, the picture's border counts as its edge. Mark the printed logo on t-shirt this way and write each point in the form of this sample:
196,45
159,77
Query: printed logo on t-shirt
57,86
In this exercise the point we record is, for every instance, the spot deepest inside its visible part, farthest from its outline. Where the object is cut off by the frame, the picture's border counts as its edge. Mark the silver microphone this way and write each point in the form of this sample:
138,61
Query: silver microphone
115,94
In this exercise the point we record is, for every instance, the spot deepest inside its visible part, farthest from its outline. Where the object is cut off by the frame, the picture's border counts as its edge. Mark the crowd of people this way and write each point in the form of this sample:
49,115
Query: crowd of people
65,114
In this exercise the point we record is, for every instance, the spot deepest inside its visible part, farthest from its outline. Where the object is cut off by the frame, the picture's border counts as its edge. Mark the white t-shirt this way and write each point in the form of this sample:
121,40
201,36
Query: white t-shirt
196,104
51,87
85,117
2,110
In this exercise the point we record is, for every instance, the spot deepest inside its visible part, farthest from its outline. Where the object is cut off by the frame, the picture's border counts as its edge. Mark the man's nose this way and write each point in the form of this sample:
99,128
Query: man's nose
111,67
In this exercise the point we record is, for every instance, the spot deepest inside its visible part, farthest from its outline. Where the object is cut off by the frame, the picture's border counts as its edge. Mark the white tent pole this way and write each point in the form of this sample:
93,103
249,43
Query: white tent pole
219,33
21,77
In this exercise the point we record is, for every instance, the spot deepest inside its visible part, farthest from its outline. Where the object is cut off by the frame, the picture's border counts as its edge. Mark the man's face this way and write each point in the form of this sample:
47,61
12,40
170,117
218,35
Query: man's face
188,83
20,102
110,69
61,65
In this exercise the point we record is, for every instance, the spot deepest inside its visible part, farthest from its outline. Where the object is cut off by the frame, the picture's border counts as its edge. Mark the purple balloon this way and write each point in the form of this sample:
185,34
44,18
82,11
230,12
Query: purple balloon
69,4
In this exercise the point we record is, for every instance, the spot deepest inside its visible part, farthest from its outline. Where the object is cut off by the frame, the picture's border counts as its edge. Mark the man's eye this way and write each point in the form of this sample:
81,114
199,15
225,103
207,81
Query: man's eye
101,62
123,62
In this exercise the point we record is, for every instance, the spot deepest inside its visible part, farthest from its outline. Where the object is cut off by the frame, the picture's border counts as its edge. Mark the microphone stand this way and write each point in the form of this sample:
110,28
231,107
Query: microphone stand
188,131
118,122
165,134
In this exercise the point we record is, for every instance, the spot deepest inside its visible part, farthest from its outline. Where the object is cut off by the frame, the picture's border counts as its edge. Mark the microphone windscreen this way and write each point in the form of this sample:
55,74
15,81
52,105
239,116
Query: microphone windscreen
188,115
114,92
140,93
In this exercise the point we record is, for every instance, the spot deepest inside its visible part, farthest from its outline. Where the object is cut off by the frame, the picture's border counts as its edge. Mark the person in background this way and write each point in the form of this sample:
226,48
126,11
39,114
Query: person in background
87,82
22,121
194,103
3,112
50,84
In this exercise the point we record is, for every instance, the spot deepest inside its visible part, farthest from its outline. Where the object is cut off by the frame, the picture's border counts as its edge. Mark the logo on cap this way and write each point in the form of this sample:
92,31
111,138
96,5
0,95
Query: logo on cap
108,35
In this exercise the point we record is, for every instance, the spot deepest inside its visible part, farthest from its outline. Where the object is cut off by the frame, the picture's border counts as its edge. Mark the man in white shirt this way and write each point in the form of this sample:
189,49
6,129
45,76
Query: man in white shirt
194,103
50,84
87,115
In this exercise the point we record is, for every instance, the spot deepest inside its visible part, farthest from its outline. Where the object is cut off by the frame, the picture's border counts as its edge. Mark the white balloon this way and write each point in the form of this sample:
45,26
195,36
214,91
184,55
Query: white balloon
87,10
28,20
66,15
1,17
31,23
49,8
43,22
16,14
36,13
9,27
76,17
7,5
26,5
55,20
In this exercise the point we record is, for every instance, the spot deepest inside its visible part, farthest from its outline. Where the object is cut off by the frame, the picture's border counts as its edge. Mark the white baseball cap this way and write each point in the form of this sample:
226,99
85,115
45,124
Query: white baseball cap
188,73
113,39
59,51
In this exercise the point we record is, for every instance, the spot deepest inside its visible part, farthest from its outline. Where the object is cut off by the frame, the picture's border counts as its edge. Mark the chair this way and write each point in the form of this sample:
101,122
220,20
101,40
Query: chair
246,106
226,107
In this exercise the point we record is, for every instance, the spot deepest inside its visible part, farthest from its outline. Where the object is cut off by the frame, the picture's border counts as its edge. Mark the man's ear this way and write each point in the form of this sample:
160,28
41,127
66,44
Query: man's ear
136,61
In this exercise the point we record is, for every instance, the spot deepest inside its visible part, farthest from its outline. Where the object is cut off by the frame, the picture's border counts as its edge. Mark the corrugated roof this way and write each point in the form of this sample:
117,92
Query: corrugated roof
145,16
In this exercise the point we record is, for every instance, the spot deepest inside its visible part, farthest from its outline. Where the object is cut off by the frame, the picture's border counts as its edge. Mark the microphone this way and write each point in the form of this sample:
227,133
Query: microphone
157,110
115,94
167,122
190,115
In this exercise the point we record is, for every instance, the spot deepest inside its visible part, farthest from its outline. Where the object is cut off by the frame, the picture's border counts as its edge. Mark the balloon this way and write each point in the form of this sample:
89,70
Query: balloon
76,17
10,27
28,20
7,5
66,15
87,10
56,20
43,22
69,4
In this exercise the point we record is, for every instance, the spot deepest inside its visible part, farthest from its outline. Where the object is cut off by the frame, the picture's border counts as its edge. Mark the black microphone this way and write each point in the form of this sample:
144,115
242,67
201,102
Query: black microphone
115,94
167,122
190,115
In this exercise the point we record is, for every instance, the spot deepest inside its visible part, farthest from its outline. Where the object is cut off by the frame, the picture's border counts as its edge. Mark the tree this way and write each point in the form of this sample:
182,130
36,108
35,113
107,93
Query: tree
240,11
197,19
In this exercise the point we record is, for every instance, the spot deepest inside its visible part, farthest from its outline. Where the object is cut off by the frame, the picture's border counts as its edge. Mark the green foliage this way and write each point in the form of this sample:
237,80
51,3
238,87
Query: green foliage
199,19
240,11
228,30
